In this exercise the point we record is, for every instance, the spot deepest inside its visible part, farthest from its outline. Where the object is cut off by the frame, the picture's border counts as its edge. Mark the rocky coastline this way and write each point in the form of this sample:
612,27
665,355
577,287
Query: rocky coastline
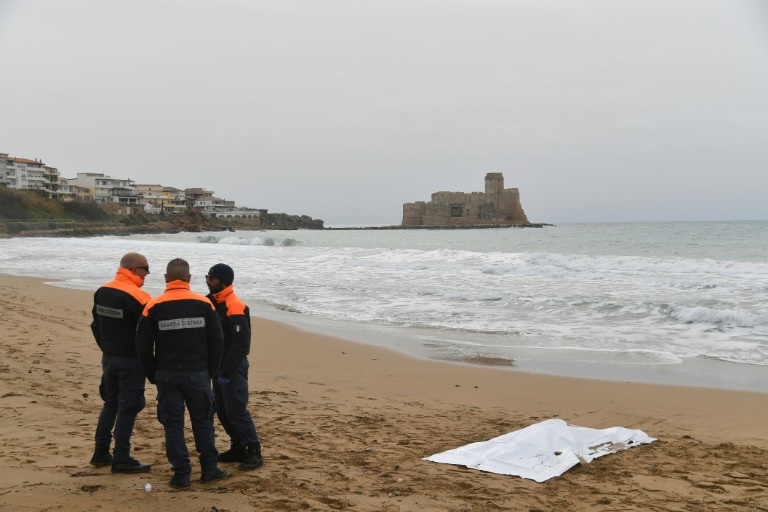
478,226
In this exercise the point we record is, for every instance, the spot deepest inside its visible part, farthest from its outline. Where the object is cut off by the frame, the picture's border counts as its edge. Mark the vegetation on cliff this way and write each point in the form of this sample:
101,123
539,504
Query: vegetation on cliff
33,205
29,213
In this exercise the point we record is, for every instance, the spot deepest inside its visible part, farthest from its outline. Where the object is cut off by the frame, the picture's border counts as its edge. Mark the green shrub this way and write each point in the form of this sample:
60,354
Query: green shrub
85,211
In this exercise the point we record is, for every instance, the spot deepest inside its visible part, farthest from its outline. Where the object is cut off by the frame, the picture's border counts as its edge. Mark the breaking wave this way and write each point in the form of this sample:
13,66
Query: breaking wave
234,240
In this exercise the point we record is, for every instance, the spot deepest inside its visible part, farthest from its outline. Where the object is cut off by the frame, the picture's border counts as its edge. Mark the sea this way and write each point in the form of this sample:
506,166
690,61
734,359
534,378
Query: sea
681,303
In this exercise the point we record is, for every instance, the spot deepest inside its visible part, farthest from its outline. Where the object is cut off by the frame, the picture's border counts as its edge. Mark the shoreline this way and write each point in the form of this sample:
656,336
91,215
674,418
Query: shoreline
345,426
700,373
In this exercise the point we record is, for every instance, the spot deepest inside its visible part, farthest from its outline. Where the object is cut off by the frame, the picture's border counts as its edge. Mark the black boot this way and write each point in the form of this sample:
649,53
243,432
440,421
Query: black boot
130,466
101,457
236,453
252,459
217,474
180,481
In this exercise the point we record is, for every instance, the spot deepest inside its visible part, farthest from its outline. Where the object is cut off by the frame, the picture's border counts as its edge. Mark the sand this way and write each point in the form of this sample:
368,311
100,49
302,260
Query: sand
345,426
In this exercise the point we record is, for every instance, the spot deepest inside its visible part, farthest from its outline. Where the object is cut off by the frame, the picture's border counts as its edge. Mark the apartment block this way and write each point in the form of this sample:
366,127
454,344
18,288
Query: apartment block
106,188
27,174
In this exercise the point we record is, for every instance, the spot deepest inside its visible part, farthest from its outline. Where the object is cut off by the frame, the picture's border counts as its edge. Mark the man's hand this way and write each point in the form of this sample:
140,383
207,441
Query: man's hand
223,380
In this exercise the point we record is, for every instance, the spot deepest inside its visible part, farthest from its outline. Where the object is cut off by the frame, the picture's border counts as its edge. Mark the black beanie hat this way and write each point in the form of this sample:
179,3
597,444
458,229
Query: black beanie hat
223,273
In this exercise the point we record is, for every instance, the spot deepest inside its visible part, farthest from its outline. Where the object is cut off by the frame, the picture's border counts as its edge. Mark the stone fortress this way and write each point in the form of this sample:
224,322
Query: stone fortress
497,206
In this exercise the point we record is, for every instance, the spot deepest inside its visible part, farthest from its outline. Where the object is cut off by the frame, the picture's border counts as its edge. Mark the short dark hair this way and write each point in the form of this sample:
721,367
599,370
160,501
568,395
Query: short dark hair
177,269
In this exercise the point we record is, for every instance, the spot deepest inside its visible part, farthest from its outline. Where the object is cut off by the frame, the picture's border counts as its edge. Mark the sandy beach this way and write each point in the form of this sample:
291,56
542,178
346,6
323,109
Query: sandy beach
345,427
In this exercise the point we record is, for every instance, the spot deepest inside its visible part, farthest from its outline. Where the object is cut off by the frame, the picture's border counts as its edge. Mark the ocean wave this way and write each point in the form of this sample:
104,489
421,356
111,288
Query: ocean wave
646,265
681,274
282,242
754,359
719,317
535,351
471,296
395,265
234,240
689,274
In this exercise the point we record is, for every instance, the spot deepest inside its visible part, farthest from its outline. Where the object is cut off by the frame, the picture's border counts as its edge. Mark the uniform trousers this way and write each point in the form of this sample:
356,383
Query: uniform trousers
122,389
193,389
232,407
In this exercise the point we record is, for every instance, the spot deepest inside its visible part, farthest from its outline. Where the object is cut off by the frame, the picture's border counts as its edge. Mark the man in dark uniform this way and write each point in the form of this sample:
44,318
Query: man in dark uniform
117,307
179,343
230,389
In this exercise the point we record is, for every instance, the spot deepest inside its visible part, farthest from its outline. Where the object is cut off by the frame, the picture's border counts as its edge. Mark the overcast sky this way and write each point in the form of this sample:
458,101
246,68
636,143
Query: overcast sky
343,110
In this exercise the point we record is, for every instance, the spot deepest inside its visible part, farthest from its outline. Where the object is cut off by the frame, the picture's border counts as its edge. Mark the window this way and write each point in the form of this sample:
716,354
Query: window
457,210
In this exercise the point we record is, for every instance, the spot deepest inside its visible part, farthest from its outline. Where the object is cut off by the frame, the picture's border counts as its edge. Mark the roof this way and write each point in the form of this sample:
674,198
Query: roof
23,160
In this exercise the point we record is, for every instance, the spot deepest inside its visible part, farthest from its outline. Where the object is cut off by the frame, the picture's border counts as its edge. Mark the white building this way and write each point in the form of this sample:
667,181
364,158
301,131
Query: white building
26,174
69,192
237,213
106,188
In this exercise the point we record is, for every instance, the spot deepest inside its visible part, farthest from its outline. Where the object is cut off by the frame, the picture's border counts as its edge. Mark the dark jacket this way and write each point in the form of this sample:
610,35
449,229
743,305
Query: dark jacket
117,308
236,323
179,331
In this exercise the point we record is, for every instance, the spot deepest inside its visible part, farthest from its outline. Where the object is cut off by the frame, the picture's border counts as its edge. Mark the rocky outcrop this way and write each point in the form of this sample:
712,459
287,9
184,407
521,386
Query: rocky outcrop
285,221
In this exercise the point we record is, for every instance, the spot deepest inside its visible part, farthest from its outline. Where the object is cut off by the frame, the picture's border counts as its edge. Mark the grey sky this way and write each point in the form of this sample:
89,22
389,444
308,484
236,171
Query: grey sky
597,110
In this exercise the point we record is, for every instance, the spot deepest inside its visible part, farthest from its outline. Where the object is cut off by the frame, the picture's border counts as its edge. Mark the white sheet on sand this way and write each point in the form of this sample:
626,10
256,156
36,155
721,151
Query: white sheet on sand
543,450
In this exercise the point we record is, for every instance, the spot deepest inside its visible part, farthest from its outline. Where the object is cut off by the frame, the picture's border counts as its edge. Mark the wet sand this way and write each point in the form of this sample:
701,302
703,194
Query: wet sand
345,426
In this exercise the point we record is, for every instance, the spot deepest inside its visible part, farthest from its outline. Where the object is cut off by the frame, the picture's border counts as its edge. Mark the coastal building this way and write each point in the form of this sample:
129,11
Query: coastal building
159,199
106,189
209,204
212,203
145,190
193,195
150,197
70,192
496,206
238,213
179,201
27,174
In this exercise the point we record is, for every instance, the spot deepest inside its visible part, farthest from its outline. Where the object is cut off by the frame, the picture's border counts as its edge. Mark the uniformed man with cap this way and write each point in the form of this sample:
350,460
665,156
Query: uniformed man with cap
230,388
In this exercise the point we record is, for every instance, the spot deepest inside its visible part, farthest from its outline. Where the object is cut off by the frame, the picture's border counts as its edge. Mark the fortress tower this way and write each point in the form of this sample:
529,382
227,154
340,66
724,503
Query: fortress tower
494,186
